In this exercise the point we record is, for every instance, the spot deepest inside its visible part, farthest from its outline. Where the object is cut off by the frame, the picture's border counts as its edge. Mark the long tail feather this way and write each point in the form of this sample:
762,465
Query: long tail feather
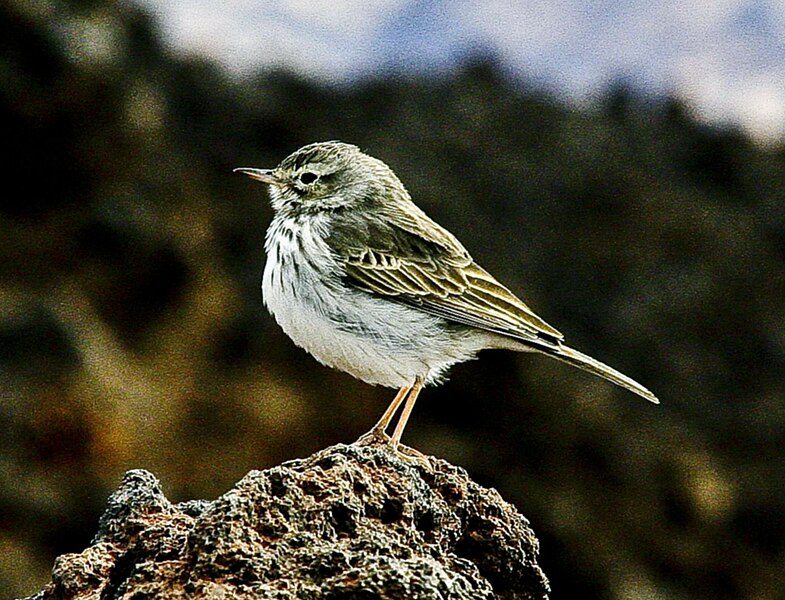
587,363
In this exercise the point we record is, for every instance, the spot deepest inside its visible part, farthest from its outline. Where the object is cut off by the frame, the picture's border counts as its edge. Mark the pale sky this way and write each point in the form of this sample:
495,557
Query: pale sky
725,58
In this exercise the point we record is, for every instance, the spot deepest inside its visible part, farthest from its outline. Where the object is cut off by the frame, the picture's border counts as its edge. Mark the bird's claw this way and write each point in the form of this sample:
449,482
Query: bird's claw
379,439
375,437
411,455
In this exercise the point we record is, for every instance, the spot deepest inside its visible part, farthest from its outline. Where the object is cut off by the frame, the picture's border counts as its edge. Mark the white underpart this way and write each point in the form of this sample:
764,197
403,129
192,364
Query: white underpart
374,339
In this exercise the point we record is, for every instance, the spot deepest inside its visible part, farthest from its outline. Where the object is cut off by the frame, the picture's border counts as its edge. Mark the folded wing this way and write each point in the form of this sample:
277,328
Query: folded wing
431,270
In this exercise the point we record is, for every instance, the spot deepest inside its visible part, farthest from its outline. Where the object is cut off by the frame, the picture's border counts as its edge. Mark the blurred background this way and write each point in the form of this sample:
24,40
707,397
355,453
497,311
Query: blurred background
620,166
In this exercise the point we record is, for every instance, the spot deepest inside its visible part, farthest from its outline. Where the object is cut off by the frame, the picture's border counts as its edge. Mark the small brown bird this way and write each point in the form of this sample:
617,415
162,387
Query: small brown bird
366,282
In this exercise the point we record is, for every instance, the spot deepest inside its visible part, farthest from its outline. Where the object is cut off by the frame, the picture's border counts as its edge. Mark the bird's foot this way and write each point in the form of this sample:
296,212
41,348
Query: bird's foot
375,437
411,455
379,439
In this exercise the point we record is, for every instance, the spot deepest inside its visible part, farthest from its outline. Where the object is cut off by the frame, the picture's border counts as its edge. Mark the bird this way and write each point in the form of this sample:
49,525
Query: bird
363,280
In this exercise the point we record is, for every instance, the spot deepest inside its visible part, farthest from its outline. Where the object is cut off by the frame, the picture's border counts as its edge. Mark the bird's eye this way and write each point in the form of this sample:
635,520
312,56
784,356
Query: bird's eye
308,177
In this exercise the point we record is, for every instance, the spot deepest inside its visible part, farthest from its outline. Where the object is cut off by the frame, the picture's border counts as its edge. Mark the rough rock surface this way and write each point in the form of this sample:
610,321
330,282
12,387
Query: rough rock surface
347,522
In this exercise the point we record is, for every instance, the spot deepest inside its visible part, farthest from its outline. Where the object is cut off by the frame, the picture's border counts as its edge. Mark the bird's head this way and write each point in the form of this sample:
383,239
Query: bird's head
326,176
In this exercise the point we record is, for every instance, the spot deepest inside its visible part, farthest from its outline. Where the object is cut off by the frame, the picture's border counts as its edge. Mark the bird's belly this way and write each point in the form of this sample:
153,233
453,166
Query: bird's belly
374,339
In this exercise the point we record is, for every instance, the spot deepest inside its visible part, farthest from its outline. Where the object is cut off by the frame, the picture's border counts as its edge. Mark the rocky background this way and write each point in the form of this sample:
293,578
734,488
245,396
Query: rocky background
132,333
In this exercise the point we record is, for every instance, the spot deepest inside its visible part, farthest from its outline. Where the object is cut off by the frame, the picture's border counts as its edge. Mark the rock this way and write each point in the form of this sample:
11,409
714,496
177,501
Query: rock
348,522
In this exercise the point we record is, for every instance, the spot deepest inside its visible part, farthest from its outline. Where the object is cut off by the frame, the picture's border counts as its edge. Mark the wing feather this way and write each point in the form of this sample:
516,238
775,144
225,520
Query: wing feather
468,295
417,262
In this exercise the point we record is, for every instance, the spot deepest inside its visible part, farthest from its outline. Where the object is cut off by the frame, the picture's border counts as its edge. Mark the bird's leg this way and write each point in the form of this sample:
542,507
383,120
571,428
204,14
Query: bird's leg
407,410
377,432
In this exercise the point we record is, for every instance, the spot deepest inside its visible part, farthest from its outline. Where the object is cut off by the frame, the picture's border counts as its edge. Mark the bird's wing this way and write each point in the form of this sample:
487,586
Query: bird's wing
428,268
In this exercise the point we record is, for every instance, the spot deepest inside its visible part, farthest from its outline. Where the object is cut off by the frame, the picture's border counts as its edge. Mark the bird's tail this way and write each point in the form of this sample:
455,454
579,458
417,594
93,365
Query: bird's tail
587,363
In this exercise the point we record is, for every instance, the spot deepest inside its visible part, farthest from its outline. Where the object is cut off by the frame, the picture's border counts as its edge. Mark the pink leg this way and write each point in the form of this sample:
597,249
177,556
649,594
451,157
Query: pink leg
407,410
377,432
381,426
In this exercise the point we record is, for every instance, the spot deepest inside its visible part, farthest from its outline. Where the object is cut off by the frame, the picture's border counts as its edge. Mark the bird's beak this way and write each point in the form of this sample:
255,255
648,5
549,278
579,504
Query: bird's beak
263,175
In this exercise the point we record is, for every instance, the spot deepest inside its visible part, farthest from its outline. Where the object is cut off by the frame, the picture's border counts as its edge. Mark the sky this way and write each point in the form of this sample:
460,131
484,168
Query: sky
724,58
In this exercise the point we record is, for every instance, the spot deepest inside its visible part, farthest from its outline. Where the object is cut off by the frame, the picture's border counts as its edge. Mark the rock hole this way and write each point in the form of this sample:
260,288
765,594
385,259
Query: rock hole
392,511
343,520
359,488
452,494
277,486
426,522
312,487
